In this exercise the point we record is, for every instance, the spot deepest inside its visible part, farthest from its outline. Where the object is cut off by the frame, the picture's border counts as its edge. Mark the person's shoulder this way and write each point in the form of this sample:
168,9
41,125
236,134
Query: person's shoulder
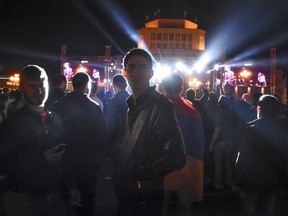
59,103
95,103
157,95
122,95
19,117
20,113
159,98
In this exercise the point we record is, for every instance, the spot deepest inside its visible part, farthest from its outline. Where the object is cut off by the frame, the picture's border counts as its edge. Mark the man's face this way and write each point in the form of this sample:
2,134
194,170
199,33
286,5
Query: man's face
138,73
35,92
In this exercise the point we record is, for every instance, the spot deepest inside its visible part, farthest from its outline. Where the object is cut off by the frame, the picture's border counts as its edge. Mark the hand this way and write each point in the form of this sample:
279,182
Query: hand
52,156
75,197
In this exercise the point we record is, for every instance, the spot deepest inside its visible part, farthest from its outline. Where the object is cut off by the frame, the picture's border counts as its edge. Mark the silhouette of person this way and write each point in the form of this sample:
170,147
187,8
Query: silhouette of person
189,181
199,104
116,110
261,79
221,143
85,135
93,96
261,165
68,72
229,76
58,89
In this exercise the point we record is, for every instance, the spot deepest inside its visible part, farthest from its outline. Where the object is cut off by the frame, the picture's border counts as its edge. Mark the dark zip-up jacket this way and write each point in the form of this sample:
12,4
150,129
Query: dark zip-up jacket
24,139
85,134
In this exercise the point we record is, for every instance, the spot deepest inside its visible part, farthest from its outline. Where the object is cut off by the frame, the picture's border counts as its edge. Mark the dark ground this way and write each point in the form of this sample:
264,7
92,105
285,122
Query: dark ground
214,204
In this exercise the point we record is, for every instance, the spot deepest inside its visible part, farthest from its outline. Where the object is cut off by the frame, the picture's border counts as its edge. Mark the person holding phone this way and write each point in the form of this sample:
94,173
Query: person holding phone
29,156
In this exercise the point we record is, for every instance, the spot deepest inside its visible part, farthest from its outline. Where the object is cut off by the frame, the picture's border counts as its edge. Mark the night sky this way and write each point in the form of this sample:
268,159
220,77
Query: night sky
37,28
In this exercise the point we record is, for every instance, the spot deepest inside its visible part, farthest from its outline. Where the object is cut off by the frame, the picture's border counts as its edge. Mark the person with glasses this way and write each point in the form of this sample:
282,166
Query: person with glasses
152,146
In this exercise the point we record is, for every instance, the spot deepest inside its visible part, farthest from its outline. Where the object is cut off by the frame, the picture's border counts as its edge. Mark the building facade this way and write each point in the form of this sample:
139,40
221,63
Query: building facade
170,40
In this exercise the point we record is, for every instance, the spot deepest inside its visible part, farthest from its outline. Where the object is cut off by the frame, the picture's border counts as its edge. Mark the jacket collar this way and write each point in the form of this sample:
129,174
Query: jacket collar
143,100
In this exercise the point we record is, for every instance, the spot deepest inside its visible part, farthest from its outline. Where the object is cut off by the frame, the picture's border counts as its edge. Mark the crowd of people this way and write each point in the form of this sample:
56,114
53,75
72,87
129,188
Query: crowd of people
167,146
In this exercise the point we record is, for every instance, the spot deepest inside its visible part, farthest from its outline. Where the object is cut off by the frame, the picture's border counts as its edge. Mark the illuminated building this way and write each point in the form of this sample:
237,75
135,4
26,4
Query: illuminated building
176,45
172,39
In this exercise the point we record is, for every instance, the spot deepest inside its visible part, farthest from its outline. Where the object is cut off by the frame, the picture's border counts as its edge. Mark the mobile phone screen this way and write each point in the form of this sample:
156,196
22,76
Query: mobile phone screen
61,147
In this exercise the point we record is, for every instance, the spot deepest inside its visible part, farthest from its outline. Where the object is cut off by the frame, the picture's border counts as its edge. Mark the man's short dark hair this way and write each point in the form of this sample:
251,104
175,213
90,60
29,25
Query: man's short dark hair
270,105
120,82
225,102
213,96
80,81
57,79
138,52
32,73
173,83
190,94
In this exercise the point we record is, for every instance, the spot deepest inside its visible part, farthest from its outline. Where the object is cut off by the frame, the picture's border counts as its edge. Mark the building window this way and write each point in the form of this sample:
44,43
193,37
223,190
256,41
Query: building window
183,37
165,46
177,46
153,45
177,37
171,46
189,46
159,45
153,36
189,37
165,36
171,36
159,36
183,46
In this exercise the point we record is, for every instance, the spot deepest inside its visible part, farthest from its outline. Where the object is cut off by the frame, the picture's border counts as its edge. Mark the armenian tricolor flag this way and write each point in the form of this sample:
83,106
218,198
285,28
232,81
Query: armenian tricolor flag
191,176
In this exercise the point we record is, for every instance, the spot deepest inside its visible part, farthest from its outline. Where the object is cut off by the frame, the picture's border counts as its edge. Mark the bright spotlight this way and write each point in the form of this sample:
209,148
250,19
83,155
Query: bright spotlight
245,73
81,68
160,72
216,67
247,64
194,83
180,66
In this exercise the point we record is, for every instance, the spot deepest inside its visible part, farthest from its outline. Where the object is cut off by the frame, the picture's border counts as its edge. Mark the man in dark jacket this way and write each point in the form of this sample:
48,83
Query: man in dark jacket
153,145
261,166
28,151
85,135
116,110
58,90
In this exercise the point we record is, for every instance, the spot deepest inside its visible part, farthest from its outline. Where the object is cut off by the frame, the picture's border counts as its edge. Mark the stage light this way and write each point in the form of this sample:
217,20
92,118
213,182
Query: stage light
180,66
81,68
216,67
245,73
